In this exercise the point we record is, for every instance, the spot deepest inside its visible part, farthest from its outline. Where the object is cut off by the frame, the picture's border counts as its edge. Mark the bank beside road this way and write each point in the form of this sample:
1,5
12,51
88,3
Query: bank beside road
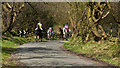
102,53
9,45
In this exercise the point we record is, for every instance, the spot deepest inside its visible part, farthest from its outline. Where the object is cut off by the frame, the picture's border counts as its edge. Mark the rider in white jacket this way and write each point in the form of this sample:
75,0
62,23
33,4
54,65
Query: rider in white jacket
65,32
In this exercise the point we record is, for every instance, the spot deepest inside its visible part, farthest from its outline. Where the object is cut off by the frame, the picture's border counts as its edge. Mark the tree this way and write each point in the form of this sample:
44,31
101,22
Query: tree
10,11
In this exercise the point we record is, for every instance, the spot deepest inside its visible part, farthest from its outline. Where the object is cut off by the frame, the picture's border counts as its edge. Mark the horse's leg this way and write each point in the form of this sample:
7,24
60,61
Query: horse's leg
65,37
40,38
48,36
36,38
62,36
53,36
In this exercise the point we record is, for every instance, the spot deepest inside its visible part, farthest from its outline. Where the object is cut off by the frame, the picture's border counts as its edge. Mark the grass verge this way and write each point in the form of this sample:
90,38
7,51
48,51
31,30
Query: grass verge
105,52
9,45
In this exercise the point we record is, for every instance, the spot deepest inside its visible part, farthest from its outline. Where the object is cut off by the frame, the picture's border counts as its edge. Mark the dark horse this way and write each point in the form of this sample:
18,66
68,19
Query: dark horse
39,33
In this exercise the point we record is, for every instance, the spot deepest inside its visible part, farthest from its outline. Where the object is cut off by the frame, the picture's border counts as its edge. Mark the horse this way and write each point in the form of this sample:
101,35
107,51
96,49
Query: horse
66,33
61,33
39,32
50,34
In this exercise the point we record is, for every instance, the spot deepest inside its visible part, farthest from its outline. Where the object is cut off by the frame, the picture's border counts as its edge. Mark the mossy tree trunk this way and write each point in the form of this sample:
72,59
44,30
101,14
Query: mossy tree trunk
97,12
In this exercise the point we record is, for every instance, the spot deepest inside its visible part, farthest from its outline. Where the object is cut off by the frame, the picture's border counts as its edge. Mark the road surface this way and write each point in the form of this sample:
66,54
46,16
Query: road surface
49,53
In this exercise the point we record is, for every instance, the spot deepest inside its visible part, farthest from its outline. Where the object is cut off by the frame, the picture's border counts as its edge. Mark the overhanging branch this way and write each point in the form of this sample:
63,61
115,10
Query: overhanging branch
32,7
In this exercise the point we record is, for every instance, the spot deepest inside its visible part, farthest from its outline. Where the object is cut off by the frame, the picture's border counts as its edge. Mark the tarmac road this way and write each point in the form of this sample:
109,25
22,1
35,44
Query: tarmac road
49,53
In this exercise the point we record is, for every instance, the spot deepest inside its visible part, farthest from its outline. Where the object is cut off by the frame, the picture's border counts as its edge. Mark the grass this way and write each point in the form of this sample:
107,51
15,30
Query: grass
105,52
9,44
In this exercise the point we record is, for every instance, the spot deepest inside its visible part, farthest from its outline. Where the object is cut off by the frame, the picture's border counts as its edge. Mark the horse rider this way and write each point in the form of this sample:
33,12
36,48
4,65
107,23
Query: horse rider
50,32
39,25
39,30
65,31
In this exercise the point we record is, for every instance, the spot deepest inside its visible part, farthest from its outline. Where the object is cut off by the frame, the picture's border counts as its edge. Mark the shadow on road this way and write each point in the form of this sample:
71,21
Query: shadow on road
42,57
38,53
28,49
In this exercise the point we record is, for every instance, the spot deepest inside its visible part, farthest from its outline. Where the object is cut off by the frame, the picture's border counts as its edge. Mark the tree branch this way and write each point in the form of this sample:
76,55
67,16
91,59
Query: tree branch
32,7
